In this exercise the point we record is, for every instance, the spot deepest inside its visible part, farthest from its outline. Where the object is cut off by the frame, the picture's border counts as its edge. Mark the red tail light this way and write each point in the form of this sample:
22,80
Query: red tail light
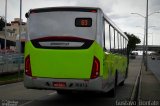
95,68
28,66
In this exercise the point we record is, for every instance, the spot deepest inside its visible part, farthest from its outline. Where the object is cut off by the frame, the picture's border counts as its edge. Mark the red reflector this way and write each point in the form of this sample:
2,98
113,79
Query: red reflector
28,66
59,84
94,11
95,68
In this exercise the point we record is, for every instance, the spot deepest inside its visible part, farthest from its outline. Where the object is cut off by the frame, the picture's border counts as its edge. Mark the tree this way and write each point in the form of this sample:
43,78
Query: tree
2,23
133,40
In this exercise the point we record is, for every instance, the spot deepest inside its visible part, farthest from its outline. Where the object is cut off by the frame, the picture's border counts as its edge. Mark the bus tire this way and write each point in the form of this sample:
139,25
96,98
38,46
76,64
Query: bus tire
112,92
122,83
126,74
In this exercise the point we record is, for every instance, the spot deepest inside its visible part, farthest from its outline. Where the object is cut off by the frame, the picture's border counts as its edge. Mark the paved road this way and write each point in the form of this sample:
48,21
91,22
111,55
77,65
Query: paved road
29,97
154,66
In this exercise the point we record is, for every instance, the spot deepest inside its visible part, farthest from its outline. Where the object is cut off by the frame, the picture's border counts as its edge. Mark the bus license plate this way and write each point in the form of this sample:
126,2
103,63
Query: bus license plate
59,84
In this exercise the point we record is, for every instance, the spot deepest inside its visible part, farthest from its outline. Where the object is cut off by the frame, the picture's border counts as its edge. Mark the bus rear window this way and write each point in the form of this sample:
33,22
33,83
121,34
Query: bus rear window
63,23
83,22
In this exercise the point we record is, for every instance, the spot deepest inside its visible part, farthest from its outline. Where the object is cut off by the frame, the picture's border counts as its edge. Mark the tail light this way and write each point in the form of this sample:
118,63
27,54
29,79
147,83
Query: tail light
28,66
95,68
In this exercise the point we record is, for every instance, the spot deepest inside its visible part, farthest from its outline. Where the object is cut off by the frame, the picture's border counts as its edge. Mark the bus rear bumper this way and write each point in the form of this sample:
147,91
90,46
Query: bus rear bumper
63,84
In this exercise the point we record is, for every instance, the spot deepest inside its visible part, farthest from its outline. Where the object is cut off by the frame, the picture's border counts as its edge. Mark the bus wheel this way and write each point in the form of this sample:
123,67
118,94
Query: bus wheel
112,92
122,83
126,74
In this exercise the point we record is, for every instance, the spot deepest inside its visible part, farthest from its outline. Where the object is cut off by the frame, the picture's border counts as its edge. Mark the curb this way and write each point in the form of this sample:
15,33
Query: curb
11,81
10,72
136,88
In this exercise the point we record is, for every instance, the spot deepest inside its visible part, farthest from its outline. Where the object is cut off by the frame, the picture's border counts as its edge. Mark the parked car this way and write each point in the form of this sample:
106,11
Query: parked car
132,56
153,57
158,57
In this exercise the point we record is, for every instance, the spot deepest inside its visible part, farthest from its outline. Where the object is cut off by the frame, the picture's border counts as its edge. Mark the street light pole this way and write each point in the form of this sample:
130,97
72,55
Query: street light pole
146,30
19,42
146,19
5,25
5,38
144,41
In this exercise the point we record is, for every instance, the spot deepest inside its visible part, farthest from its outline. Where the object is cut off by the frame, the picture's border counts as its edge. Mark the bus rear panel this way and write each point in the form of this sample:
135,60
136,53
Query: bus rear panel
61,51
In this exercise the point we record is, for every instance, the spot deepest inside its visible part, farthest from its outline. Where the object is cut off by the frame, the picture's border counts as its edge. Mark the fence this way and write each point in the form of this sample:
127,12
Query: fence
9,62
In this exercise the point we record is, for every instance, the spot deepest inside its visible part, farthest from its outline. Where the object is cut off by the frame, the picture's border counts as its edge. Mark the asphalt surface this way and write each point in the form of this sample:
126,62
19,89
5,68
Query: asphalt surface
154,66
16,93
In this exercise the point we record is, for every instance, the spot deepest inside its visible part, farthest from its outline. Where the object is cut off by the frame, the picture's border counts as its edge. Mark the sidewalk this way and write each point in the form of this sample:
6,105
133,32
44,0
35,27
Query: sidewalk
150,86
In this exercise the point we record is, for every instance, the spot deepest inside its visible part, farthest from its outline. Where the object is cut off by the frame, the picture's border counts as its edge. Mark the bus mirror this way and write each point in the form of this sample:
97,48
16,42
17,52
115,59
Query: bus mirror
26,15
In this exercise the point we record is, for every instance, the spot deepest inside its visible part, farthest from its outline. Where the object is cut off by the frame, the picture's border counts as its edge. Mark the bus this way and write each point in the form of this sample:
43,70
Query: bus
74,49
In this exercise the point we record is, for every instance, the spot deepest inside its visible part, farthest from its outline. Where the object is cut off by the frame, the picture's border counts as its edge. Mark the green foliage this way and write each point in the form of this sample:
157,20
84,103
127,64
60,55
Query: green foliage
133,40
2,23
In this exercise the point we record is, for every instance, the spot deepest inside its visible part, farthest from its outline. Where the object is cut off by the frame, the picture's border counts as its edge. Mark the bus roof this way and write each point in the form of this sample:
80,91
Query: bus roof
47,9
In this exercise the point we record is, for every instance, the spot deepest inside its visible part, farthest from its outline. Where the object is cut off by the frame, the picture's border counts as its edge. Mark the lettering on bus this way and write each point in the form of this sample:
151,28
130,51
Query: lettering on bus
58,43
78,85
81,85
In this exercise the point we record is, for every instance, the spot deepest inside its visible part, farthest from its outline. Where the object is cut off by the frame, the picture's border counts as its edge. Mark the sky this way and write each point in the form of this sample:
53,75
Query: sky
119,11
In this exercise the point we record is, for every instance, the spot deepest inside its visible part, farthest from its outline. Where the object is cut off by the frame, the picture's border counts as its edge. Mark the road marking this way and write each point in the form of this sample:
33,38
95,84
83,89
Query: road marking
26,103
33,100
52,93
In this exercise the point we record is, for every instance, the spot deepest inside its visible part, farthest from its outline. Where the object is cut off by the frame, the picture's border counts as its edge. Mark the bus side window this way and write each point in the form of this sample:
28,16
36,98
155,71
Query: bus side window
116,42
112,39
120,44
124,50
107,39
125,46
118,37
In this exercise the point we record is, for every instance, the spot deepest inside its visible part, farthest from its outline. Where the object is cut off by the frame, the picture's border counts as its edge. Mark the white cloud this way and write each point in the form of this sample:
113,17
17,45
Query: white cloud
118,10
2,7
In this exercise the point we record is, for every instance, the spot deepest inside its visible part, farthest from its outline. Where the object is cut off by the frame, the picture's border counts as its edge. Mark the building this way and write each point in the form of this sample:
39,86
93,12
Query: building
12,35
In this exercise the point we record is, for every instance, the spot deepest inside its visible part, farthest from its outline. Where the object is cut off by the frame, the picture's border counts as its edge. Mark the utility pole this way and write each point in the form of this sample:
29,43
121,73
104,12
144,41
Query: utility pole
5,38
146,32
19,42
146,35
